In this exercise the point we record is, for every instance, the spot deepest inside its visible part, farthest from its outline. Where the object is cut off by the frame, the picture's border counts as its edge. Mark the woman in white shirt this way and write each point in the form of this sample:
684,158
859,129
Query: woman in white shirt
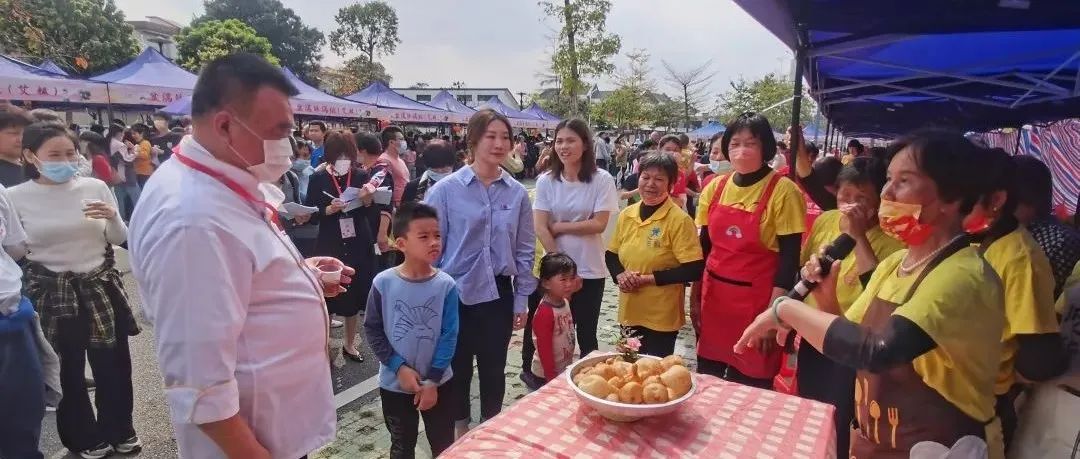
71,225
574,200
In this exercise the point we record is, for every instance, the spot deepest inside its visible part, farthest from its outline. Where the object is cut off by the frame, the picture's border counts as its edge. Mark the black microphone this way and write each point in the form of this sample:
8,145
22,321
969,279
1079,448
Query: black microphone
840,248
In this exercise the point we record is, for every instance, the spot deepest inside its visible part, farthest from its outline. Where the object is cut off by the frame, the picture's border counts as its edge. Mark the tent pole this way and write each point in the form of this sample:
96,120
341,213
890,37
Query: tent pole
828,132
796,98
108,103
1019,135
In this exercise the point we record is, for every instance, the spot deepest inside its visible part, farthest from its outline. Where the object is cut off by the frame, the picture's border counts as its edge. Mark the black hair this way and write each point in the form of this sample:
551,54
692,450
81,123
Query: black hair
44,115
368,143
1038,189
234,79
319,123
946,157
409,212
998,174
159,115
759,127
813,150
556,263
668,139
827,169
588,155
858,145
115,129
12,116
648,144
388,134
96,143
661,161
684,140
97,129
883,154
35,135
437,155
781,145
141,129
863,171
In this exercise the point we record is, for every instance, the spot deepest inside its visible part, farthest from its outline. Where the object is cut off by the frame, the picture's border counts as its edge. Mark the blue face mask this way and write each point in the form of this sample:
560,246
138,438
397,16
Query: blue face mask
58,171
301,164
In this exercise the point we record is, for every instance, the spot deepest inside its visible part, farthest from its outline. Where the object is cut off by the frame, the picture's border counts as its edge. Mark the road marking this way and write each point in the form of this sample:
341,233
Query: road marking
348,395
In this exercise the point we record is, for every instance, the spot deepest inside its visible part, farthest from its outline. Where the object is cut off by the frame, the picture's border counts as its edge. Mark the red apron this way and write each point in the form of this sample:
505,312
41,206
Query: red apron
737,284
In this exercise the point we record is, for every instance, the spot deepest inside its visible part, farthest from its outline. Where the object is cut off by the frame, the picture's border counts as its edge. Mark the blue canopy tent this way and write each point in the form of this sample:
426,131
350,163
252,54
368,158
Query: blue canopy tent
517,118
312,102
535,110
27,83
879,69
707,131
397,107
446,101
149,80
181,106
49,66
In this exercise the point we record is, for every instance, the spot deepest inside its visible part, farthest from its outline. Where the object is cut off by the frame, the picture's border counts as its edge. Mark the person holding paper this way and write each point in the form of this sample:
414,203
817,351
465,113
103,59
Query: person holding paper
344,232
380,176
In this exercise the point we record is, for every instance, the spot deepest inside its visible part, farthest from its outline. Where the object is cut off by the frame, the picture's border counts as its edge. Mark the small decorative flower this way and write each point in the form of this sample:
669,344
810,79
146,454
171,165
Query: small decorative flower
633,344
627,344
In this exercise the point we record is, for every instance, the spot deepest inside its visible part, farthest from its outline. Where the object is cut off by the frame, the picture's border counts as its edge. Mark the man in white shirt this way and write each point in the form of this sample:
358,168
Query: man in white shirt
239,317
602,149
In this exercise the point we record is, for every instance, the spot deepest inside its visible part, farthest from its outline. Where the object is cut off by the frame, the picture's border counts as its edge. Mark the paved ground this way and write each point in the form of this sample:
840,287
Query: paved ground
361,432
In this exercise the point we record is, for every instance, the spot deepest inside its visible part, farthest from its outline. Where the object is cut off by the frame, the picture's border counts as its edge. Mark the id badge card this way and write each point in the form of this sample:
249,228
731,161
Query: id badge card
348,228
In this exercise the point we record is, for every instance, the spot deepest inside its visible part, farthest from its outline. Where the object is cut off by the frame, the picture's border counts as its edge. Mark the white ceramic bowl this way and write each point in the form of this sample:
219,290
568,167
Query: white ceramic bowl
622,412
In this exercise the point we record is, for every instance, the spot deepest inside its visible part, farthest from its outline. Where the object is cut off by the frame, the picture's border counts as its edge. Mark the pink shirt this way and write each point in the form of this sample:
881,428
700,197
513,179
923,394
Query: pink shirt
401,176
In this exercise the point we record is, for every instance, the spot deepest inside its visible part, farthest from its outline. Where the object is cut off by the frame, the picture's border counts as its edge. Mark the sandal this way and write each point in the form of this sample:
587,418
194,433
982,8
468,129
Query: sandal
354,357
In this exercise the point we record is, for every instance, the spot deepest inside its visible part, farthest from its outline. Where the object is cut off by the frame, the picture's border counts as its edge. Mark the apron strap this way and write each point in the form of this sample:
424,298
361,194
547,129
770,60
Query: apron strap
951,249
763,203
719,191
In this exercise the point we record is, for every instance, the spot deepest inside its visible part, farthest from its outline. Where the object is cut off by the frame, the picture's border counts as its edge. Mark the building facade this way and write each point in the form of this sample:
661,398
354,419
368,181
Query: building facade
158,33
472,97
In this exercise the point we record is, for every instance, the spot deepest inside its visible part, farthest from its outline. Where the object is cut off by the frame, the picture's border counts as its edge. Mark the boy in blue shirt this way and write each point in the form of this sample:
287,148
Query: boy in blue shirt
412,325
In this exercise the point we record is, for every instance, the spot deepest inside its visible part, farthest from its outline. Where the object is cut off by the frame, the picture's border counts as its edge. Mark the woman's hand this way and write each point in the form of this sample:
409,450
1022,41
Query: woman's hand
519,320
99,210
384,243
856,220
811,271
628,281
302,219
761,331
335,206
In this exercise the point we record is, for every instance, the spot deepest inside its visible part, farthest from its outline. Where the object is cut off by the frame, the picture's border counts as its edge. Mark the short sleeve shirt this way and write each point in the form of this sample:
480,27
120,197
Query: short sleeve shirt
785,215
663,241
11,234
848,287
961,307
575,202
1029,296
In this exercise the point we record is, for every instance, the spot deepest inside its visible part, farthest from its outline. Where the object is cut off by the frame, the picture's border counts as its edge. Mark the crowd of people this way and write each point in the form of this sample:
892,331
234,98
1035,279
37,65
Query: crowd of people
248,235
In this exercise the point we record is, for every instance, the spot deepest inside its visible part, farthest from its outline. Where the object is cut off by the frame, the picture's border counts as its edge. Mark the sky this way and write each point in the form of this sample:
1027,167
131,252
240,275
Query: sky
504,43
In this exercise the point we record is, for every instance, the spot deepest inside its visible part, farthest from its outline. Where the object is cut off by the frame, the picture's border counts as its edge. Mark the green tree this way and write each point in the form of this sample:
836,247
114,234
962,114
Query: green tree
623,108
296,45
584,47
212,39
356,74
371,28
770,95
667,113
82,36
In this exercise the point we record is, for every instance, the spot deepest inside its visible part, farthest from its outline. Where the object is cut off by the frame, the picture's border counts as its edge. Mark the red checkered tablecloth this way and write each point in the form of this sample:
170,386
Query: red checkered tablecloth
723,420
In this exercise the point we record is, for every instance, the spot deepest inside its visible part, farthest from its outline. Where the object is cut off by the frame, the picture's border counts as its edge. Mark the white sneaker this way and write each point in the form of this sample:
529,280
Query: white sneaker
129,446
96,452
336,323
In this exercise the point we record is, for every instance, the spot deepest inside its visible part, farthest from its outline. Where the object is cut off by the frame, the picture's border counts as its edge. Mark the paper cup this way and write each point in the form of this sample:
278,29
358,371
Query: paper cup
330,274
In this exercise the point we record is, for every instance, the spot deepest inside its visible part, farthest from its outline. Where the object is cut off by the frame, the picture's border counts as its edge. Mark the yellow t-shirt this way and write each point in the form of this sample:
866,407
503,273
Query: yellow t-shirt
1073,279
961,307
1029,296
827,229
144,165
665,240
786,213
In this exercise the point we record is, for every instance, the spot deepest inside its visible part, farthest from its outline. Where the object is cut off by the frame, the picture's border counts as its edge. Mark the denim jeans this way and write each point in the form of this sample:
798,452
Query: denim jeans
124,192
22,391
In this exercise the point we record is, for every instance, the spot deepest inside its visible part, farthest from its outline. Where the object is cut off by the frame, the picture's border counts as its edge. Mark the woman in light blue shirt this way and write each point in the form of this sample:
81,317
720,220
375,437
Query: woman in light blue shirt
488,244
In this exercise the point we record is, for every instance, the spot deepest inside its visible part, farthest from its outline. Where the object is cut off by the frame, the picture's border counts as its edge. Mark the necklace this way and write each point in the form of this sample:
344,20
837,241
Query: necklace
904,271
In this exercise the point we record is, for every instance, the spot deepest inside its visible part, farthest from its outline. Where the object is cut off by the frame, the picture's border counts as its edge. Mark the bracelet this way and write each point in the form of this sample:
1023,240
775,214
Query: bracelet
776,311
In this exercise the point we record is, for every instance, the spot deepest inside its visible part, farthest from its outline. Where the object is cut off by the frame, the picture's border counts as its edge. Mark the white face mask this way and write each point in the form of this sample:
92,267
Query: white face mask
342,166
272,194
277,157
720,167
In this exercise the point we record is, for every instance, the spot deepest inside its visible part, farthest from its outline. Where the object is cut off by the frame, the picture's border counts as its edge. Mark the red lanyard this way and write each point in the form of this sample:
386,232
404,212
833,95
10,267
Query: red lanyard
232,185
348,181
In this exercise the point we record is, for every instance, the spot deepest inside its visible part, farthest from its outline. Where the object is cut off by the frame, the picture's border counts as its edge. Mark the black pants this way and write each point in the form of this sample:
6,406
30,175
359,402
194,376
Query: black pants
22,392
601,164
484,333
1005,406
585,309
402,420
730,373
655,343
820,378
76,423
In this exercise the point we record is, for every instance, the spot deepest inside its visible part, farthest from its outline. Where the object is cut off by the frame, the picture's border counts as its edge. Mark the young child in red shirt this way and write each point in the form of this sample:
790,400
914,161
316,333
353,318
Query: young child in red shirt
553,325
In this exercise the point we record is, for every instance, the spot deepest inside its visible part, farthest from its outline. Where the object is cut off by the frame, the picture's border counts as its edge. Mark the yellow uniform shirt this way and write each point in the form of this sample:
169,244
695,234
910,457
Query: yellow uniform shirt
144,165
827,229
961,307
665,240
1029,296
786,213
1073,279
